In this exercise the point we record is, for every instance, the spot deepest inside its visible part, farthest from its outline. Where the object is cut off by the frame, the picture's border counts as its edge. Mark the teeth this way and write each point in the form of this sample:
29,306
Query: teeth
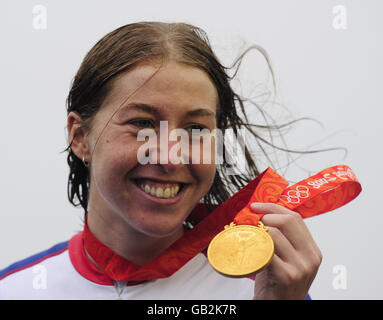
167,193
159,192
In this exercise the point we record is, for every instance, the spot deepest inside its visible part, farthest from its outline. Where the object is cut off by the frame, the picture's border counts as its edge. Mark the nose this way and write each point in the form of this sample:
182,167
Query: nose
167,150
172,148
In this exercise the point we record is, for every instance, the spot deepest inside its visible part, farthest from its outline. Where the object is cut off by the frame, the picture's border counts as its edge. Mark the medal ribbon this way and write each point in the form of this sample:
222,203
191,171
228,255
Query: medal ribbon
323,192
327,190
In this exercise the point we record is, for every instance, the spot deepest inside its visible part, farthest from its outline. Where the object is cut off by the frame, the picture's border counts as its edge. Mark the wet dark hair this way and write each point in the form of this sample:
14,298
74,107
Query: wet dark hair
125,47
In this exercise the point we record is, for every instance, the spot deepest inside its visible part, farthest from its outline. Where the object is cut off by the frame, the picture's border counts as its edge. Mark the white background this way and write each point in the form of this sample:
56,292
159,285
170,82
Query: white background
332,75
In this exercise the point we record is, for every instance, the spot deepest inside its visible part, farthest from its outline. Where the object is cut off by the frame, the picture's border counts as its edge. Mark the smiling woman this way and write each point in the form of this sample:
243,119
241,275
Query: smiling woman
116,201
153,44
137,77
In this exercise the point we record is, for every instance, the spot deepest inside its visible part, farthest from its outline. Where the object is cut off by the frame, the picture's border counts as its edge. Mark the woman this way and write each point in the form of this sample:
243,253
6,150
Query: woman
135,78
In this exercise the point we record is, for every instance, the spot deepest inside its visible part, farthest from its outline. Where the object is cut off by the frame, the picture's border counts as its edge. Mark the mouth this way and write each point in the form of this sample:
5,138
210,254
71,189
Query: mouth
159,191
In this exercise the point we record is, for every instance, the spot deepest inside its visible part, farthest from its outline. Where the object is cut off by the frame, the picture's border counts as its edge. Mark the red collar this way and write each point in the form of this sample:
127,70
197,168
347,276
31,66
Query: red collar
83,265
267,187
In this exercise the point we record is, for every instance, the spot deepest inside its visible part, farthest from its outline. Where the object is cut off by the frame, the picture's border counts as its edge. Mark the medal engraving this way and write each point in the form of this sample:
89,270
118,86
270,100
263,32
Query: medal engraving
241,251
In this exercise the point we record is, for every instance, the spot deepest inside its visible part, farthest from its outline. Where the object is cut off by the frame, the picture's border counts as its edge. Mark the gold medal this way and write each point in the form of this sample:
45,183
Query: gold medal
241,251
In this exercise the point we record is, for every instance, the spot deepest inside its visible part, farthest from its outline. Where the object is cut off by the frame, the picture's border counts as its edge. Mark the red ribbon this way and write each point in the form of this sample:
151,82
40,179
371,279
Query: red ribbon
327,190
323,192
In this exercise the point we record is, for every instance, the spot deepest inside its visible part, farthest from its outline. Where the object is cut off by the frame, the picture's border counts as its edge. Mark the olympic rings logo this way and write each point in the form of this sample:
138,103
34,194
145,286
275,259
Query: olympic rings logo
295,196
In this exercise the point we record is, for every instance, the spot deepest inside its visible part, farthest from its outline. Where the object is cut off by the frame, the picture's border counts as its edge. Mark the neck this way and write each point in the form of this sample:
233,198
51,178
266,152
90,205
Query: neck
129,243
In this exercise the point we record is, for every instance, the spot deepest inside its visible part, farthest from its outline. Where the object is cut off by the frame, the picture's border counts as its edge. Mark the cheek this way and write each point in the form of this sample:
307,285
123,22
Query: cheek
202,150
113,159
204,166
205,174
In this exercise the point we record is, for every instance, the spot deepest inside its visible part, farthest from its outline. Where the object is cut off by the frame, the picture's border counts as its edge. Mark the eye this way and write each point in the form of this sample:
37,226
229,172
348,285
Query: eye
142,123
195,127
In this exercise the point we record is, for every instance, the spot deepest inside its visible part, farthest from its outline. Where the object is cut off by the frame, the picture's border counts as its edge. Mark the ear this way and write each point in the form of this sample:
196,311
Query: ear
77,136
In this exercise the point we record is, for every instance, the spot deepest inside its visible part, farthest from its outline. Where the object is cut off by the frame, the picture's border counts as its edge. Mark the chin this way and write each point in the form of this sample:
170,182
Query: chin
157,231
156,224
157,221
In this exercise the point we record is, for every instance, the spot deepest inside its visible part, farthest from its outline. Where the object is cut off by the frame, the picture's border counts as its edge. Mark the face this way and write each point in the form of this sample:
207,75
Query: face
152,199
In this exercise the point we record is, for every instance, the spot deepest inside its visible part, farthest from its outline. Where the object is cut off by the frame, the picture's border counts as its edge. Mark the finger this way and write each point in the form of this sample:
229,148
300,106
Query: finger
282,246
282,272
268,207
297,234
289,222
291,229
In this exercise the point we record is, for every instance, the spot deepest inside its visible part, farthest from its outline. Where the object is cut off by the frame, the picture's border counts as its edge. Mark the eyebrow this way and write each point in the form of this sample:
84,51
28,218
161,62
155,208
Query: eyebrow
154,111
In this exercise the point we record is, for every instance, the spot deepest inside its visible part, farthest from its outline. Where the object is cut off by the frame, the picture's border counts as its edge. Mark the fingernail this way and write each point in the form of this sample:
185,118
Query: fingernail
256,205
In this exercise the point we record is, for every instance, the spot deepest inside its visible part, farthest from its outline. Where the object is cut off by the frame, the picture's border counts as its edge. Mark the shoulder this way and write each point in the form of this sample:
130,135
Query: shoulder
31,273
33,260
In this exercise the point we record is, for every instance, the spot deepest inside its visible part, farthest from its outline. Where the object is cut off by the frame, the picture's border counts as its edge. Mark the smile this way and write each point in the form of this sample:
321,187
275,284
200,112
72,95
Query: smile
159,189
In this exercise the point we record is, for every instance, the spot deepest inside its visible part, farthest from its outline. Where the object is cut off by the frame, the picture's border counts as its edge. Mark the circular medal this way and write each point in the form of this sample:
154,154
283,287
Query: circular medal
241,251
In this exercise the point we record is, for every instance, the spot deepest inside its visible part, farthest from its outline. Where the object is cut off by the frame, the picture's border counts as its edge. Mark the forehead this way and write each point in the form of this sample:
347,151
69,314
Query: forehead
174,86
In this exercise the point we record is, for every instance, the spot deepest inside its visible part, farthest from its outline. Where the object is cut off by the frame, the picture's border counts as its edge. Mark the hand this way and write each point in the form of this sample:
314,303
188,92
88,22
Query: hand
296,258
